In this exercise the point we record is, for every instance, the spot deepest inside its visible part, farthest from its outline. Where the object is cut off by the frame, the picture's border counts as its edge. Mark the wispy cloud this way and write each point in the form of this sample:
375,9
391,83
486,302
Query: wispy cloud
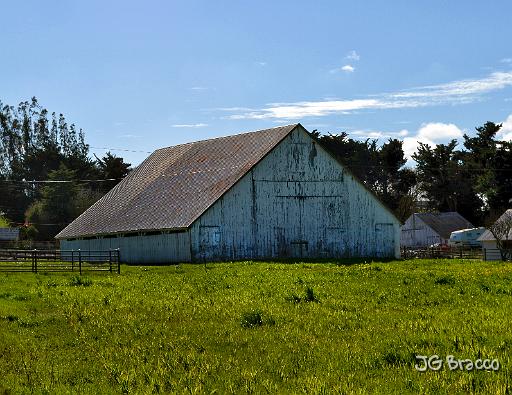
353,56
456,92
347,69
199,88
190,125
506,60
377,134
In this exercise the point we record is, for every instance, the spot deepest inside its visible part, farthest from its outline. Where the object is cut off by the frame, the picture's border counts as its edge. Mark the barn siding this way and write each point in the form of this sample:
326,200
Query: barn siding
490,250
160,248
297,202
415,233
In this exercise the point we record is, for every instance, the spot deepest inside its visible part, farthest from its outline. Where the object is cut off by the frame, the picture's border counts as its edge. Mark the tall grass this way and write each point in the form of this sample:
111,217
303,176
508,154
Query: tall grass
257,327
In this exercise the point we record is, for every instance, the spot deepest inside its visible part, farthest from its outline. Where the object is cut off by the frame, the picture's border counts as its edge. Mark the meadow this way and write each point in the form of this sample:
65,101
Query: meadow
257,327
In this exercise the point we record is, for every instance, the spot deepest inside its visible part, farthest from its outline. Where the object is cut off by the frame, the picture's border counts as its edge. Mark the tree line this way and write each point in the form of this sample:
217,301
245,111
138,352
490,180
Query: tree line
47,177
474,179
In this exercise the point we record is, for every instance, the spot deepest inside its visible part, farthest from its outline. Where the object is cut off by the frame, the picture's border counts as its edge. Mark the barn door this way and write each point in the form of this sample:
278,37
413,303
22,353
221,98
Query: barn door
384,240
209,242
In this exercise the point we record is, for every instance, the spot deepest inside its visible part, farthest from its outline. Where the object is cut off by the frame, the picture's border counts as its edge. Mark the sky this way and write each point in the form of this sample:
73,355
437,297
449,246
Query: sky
141,75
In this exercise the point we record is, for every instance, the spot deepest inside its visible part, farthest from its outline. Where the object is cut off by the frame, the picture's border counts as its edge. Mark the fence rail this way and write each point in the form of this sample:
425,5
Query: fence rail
444,252
36,261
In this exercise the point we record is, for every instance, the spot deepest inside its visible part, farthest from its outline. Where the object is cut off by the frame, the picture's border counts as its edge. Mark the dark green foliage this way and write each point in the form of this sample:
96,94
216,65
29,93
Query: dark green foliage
310,295
475,181
35,145
80,281
251,319
445,280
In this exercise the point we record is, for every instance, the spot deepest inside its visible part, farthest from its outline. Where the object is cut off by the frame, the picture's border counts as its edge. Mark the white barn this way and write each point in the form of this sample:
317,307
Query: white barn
273,193
489,245
425,229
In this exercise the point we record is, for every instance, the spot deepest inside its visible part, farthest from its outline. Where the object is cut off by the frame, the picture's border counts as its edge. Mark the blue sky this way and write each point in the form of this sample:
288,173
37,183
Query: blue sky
144,75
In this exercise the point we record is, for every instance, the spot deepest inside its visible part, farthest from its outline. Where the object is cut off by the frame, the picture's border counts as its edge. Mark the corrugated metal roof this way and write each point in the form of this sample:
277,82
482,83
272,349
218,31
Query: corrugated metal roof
445,223
175,185
488,236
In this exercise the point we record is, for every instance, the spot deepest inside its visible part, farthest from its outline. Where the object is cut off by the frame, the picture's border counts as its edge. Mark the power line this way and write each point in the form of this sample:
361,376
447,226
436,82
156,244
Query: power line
120,149
25,182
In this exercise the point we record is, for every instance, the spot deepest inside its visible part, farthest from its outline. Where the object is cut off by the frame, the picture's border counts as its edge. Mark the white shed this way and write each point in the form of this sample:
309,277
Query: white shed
426,229
274,193
489,245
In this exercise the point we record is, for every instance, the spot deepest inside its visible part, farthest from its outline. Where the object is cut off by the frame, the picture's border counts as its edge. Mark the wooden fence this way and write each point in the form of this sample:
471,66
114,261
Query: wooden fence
494,254
443,252
59,261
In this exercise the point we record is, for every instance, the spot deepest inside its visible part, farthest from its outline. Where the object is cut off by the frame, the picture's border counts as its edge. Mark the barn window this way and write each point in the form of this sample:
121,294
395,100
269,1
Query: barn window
209,236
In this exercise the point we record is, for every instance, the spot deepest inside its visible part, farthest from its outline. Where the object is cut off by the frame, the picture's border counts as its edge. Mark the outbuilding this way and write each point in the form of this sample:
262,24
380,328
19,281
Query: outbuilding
426,229
503,227
274,193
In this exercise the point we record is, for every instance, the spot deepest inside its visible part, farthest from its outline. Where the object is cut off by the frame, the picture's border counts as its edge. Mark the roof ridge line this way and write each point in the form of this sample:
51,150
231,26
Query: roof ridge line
230,135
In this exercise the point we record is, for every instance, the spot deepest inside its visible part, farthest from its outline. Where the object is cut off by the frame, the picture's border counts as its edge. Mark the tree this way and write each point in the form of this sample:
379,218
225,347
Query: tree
32,145
113,169
489,162
446,182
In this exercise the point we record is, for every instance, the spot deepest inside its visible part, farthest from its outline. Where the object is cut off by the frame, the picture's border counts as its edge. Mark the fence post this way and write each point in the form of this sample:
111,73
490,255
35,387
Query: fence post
72,260
35,260
118,261
80,260
485,254
110,260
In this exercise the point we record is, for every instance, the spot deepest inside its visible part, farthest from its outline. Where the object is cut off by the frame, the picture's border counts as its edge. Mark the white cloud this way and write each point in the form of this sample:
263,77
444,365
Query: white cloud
456,92
190,125
375,134
353,56
432,134
199,88
262,64
348,68
505,132
506,60
438,131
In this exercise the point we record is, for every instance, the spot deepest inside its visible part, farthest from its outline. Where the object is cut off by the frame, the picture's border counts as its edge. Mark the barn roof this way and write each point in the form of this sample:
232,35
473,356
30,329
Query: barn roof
488,236
187,178
444,223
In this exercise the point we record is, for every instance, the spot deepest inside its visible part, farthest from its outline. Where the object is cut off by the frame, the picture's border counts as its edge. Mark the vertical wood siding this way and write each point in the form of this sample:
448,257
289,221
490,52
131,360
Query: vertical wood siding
160,248
297,202
415,233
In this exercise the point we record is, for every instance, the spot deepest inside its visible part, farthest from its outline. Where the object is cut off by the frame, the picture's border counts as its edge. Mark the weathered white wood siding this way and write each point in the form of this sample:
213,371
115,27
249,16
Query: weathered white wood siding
490,250
139,249
297,202
416,233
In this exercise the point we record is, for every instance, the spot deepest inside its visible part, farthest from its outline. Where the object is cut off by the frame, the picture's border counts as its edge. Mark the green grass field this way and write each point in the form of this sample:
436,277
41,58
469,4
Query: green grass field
257,327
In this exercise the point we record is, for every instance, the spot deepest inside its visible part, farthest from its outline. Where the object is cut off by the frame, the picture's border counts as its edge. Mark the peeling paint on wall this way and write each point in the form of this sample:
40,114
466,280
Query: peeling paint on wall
297,203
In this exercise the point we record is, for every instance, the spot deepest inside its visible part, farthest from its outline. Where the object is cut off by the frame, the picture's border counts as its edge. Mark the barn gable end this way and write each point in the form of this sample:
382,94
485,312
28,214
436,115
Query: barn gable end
298,201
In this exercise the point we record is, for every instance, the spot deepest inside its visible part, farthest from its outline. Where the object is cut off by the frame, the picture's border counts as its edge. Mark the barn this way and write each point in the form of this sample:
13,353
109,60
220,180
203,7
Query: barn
274,193
503,227
426,229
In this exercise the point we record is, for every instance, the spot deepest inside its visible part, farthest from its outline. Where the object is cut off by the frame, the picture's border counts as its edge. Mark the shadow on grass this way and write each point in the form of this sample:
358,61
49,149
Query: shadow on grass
291,261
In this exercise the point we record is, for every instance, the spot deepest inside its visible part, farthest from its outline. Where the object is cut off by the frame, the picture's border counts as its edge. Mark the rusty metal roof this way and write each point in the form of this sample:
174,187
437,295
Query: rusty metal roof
176,185
445,223
488,236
